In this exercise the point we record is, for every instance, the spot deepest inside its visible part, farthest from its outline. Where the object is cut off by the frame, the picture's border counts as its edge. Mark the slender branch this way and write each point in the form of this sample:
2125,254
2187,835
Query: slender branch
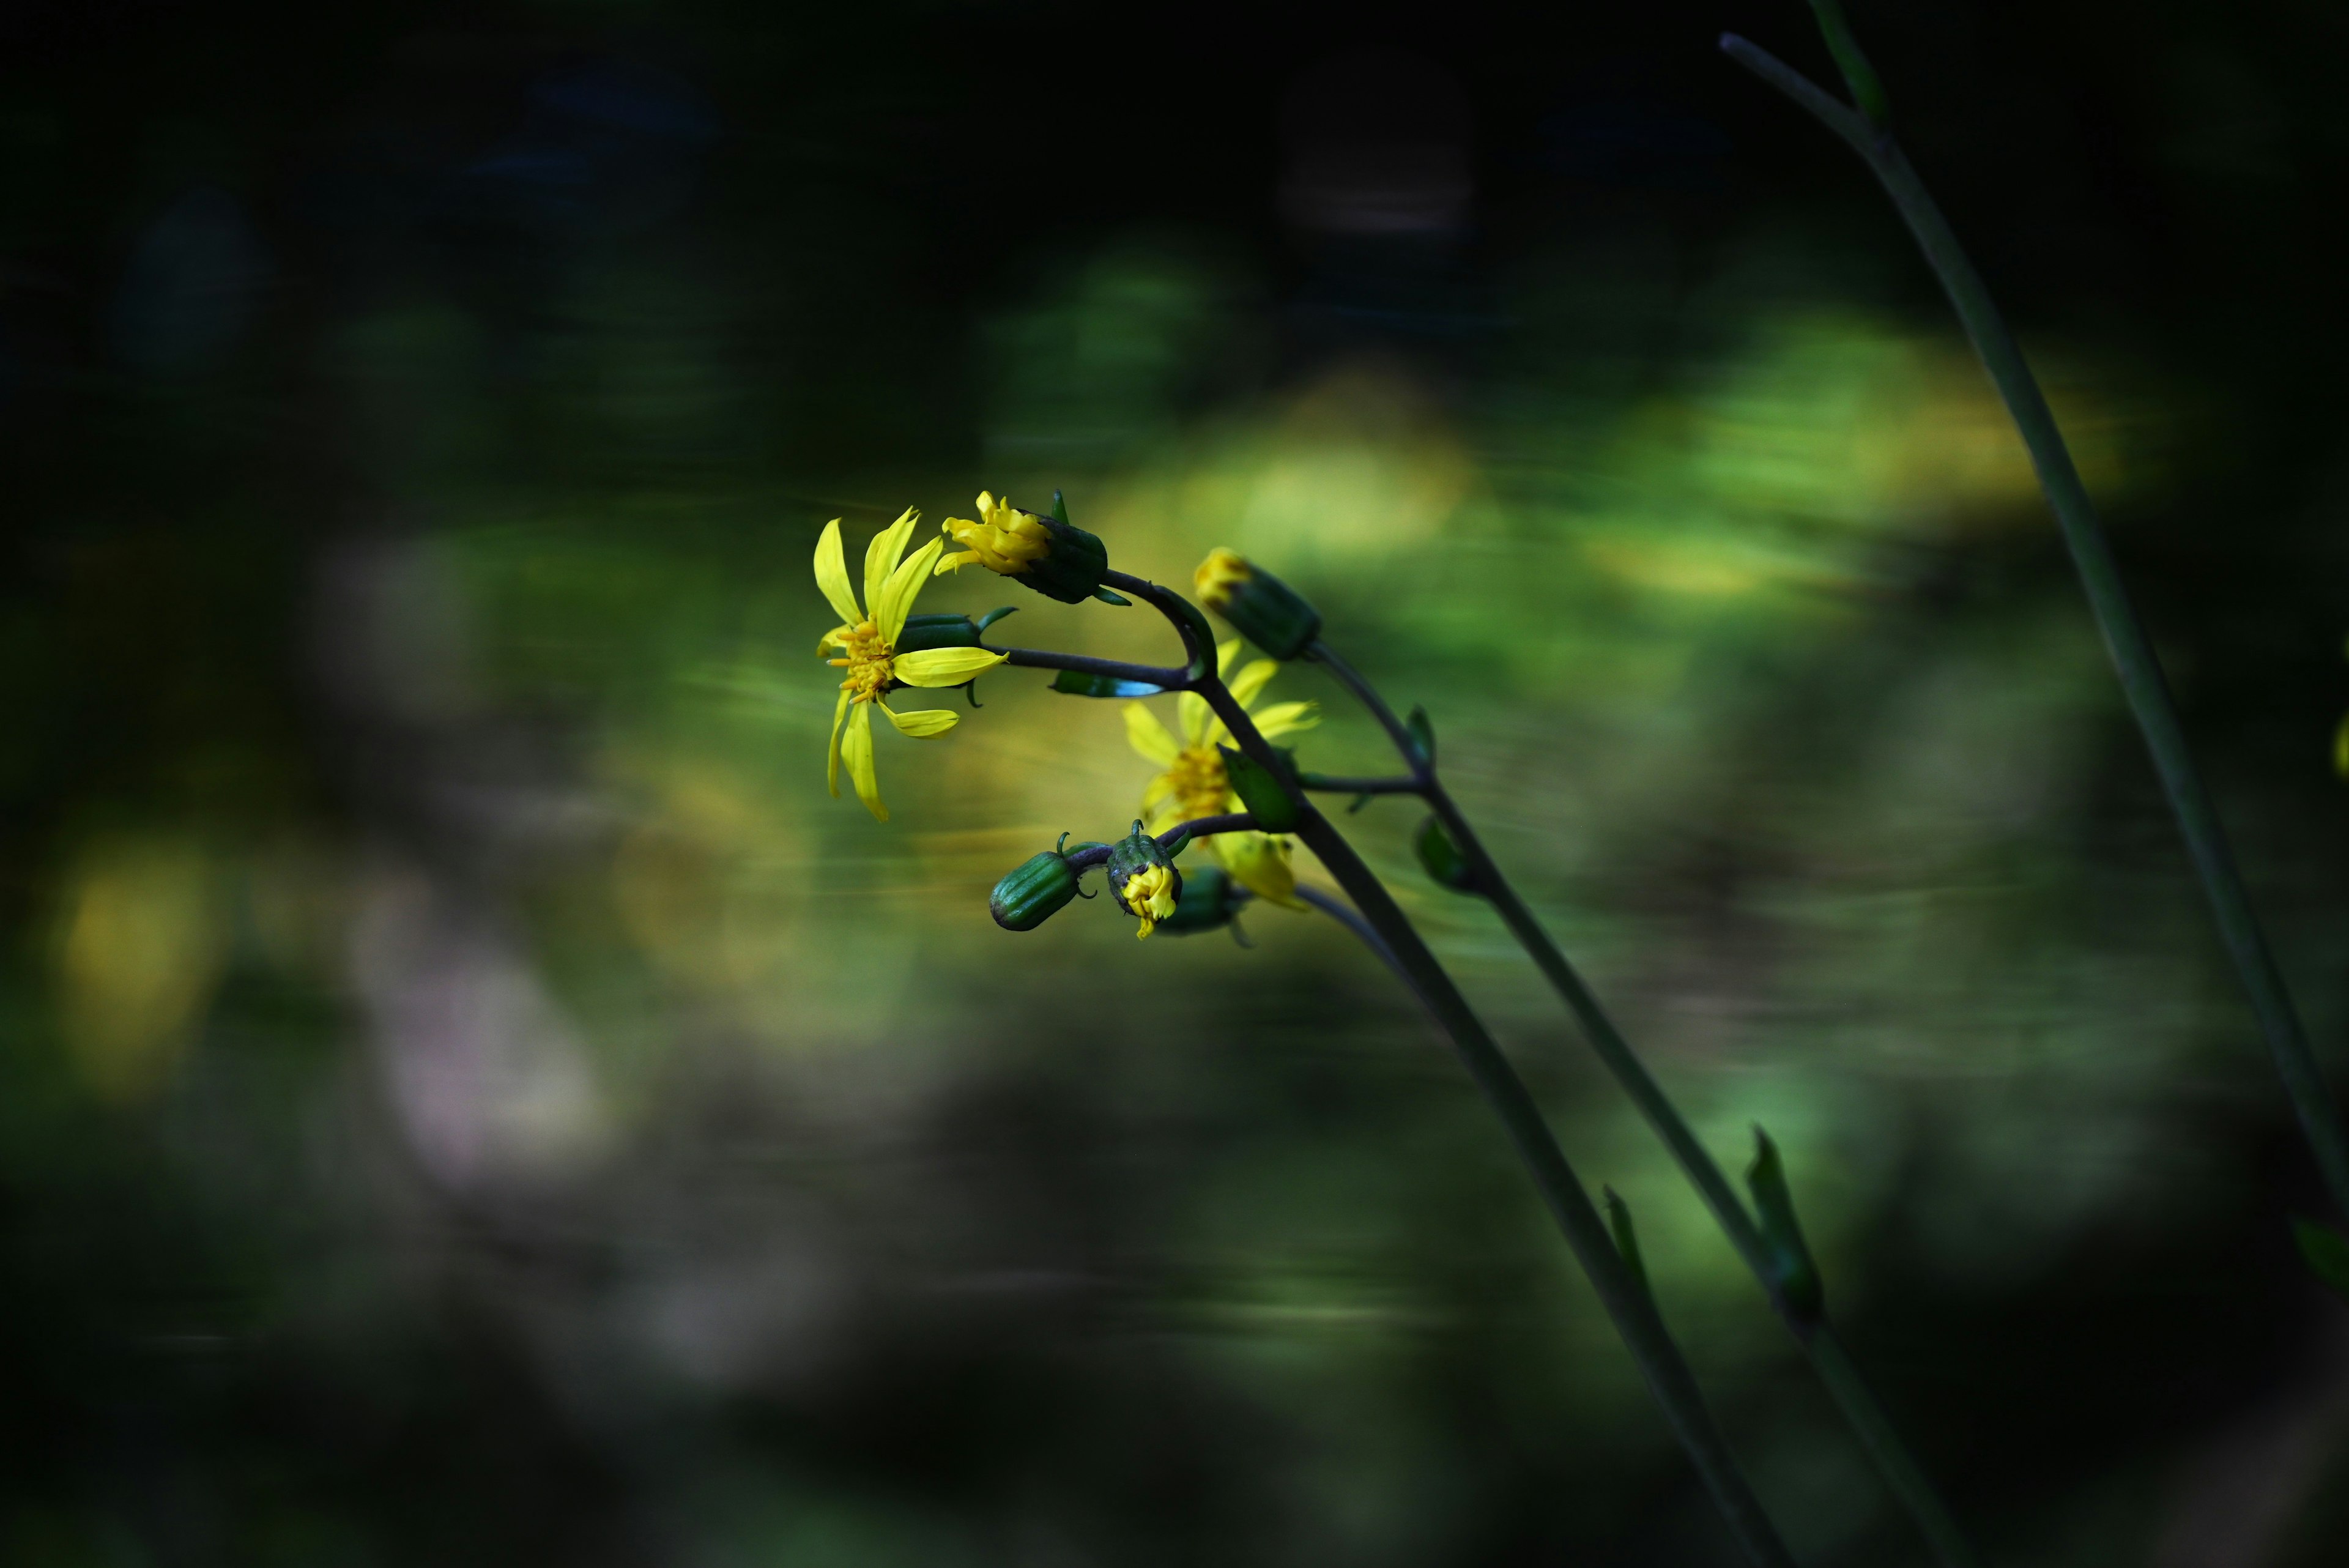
1084,664
2131,651
1341,911
1624,1297
1180,833
1628,1304
1327,784
1869,1423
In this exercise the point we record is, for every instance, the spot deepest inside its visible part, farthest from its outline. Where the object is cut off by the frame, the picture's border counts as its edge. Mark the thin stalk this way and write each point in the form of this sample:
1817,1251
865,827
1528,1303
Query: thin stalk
1628,1304
2124,640
1869,1423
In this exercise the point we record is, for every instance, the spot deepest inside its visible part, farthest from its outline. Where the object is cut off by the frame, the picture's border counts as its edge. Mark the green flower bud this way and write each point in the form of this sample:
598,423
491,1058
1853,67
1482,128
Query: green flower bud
1034,891
1142,879
1261,606
1050,555
1209,899
1442,860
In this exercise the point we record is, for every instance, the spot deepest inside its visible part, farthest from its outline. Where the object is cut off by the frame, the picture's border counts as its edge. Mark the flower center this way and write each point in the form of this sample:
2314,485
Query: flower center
1201,786
868,662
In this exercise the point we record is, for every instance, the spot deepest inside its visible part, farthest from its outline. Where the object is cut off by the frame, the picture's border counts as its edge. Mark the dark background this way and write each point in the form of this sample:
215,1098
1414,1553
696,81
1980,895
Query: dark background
466,1094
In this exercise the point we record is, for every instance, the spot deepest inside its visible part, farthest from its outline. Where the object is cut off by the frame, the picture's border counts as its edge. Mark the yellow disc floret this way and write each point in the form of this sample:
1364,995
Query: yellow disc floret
1003,539
1149,895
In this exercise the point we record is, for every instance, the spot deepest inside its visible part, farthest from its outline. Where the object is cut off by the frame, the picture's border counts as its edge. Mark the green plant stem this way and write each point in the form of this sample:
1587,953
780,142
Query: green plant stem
1631,1309
1867,1416
2124,640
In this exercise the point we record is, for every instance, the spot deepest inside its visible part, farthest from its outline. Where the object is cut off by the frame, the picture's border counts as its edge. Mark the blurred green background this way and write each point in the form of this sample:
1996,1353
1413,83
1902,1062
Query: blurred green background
467,1095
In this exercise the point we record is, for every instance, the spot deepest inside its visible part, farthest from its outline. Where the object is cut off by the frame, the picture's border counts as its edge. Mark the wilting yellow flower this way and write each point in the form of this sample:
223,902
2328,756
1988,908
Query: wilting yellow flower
1149,895
1004,539
1193,782
867,638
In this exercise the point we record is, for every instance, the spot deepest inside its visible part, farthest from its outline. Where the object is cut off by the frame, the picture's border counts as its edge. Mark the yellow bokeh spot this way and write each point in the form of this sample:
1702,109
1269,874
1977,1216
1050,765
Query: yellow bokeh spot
142,946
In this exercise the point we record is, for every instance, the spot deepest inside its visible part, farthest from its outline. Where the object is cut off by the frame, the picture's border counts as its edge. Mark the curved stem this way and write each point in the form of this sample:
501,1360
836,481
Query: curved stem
1629,1304
1174,837
1341,911
1869,1423
1393,936
2125,642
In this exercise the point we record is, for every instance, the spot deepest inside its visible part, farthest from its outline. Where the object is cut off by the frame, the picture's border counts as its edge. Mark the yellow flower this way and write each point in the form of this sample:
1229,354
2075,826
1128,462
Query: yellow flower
1193,782
1004,539
1149,894
866,638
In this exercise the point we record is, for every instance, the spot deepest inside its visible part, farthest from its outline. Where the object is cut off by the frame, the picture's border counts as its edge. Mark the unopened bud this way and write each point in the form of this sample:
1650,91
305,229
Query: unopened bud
1260,606
1142,879
1050,555
1034,891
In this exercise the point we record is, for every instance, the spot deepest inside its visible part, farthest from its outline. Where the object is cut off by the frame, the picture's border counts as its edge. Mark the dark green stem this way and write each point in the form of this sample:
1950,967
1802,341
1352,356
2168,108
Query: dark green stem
1634,1311
1862,1410
1393,938
2132,654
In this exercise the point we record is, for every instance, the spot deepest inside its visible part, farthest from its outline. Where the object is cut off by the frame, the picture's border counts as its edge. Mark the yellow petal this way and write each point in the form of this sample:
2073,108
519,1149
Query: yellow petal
1161,787
1250,682
1259,863
856,746
922,725
943,666
1286,718
1146,732
831,575
1226,653
882,554
954,563
831,768
903,586
1196,715
837,637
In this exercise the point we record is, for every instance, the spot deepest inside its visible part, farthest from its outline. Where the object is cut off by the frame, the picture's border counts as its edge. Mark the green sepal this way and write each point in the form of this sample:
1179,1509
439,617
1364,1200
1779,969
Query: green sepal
1422,735
2325,1252
1109,596
1794,1277
923,632
1359,802
1442,859
1627,1240
1076,683
1060,507
1071,569
1261,791
1033,891
1181,841
996,614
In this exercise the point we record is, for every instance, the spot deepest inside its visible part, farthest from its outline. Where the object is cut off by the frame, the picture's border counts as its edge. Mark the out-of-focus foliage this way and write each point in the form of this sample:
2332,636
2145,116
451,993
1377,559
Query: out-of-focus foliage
469,1095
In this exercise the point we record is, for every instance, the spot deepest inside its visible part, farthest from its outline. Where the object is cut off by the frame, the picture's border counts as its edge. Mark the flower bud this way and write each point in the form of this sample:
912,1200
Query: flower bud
1054,557
1142,879
1260,606
1209,899
1441,859
1034,891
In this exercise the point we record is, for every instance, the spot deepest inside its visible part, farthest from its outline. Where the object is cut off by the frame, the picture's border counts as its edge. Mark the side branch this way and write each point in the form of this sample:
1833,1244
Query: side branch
1174,839
1084,664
